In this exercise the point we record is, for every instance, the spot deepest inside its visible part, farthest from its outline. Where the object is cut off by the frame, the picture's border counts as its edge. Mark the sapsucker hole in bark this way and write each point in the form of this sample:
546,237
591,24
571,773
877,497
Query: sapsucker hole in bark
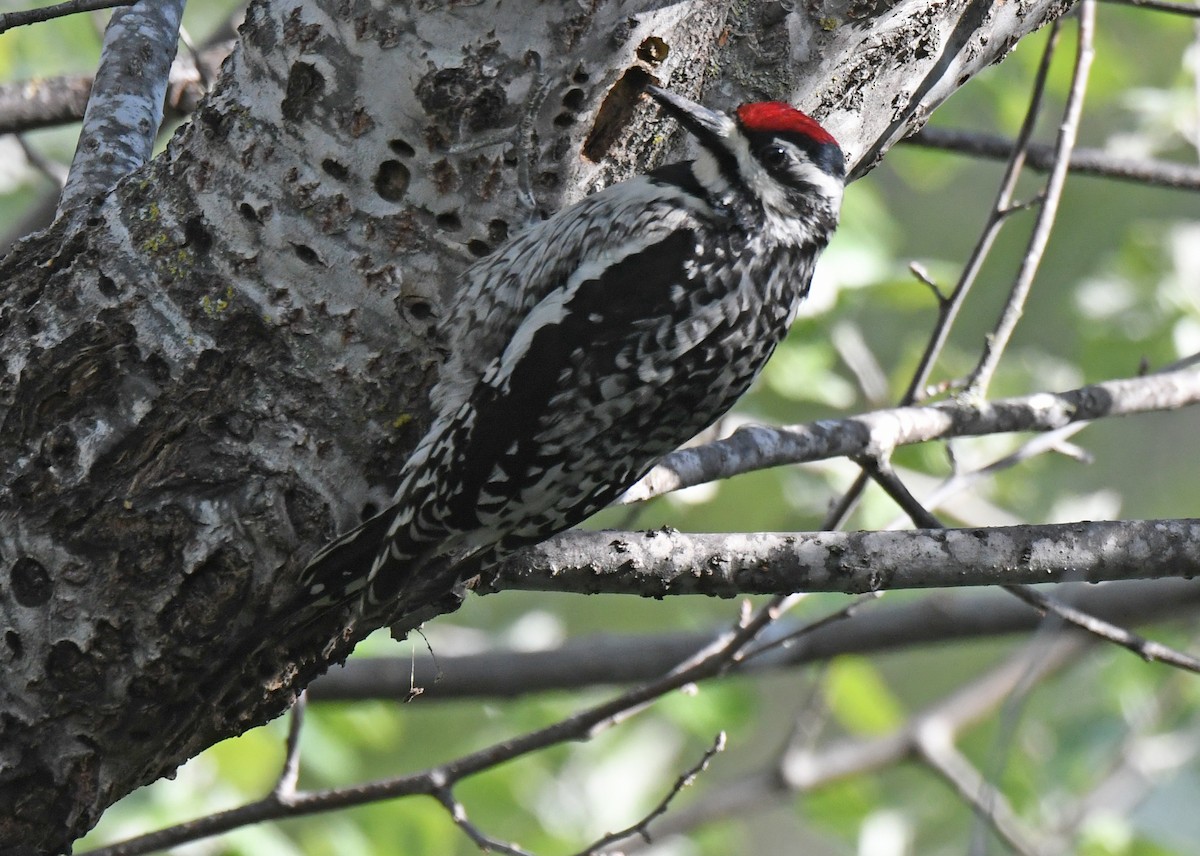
391,181
31,583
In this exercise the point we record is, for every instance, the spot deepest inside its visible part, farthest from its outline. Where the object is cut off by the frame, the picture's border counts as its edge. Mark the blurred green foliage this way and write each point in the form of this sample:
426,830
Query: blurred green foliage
1119,289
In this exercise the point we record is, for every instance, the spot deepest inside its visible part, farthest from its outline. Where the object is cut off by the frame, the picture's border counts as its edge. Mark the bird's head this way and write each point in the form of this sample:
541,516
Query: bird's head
769,155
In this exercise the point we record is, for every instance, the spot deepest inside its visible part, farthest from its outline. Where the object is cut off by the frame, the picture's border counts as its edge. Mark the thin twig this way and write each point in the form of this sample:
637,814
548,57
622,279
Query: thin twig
1052,441
998,339
948,310
755,447
56,172
1144,648
8,20
1147,649
1040,157
458,813
811,627
285,786
641,828
1160,6
935,746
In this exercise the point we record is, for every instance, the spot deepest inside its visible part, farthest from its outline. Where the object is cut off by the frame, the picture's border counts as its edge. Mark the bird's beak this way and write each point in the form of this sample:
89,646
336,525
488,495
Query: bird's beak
709,126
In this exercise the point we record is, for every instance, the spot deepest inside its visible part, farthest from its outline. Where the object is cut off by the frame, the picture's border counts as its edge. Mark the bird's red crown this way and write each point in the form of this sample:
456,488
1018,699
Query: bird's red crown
776,117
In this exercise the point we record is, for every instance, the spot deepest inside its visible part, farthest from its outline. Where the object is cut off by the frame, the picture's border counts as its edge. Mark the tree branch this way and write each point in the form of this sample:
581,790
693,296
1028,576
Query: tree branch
876,434
605,660
666,562
1014,307
8,20
27,105
641,828
1160,6
1040,156
125,108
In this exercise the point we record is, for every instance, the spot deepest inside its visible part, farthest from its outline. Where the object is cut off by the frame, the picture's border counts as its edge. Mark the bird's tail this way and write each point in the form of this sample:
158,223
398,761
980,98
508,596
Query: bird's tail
341,571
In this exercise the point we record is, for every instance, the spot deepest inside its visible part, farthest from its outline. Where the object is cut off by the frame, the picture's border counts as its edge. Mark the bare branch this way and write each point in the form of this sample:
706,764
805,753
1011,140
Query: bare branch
458,813
998,339
886,478
665,563
1145,648
1160,6
706,663
41,103
607,660
8,20
125,109
1040,156
875,434
641,828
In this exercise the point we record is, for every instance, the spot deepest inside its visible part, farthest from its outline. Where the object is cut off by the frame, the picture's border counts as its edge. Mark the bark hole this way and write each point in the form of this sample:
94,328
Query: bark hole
13,640
107,286
306,254
615,112
401,148
304,86
196,235
653,50
335,169
247,211
419,309
449,221
573,99
391,181
31,584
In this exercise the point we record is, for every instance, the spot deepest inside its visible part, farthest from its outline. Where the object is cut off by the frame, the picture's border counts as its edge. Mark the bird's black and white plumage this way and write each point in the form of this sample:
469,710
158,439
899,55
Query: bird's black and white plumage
599,340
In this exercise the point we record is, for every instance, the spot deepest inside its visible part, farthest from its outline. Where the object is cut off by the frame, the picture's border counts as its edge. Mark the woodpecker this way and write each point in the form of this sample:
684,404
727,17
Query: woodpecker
599,340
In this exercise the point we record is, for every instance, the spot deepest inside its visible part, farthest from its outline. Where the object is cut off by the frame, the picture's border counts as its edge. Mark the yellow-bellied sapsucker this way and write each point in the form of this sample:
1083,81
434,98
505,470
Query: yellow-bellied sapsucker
601,339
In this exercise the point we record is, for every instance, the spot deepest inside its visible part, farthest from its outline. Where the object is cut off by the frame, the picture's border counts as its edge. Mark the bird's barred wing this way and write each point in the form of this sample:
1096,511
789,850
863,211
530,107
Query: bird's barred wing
500,292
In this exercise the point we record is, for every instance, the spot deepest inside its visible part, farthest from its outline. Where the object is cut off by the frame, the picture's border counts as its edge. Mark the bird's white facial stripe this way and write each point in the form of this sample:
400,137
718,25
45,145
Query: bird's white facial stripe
708,173
767,188
829,187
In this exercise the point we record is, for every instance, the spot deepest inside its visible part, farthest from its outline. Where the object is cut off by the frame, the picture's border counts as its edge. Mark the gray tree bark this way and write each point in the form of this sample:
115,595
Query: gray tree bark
226,362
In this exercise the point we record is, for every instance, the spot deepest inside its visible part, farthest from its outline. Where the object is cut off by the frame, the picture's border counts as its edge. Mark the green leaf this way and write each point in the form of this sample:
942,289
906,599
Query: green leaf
859,698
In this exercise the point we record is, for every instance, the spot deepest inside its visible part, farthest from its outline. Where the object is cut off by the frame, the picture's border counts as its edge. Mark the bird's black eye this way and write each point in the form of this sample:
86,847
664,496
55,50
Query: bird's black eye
773,156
